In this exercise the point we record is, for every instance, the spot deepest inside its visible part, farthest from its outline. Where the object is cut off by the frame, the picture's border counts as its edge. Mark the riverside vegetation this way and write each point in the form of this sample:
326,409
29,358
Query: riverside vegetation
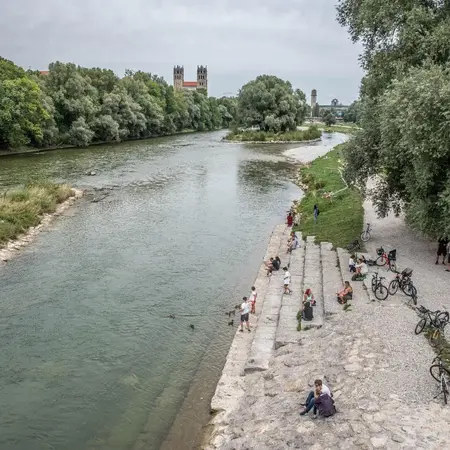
342,215
73,105
310,134
404,144
23,208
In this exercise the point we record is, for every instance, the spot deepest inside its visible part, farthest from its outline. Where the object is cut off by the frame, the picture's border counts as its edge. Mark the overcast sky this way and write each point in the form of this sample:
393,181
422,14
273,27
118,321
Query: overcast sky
298,40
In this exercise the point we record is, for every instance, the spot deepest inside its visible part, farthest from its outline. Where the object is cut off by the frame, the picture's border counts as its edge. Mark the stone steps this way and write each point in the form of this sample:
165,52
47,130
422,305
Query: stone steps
332,279
231,386
263,342
313,279
287,332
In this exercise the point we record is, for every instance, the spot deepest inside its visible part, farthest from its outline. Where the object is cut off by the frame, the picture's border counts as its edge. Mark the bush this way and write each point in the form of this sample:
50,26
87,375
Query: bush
267,136
23,208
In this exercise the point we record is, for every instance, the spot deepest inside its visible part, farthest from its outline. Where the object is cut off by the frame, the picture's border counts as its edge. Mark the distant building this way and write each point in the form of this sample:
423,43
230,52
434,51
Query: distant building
44,72
201,83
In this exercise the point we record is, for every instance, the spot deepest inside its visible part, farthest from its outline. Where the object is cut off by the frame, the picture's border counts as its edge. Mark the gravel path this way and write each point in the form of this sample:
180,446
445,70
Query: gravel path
370,357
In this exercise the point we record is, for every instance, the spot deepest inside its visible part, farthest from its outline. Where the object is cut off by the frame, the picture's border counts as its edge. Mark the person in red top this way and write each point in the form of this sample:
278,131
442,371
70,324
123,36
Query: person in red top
289,220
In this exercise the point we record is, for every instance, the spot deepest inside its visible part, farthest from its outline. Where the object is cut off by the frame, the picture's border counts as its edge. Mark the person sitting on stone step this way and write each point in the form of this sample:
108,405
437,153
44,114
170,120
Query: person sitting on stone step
361,270
292,242
307,305
346,294
308,296
319,389
272,264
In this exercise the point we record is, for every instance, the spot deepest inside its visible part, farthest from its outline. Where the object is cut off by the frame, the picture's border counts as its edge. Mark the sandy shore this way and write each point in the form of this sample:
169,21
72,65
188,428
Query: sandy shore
11,249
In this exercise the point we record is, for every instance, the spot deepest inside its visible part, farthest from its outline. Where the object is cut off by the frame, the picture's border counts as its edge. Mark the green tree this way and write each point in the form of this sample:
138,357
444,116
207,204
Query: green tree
271,104
352,114
328,117
22,114
403,106
316,110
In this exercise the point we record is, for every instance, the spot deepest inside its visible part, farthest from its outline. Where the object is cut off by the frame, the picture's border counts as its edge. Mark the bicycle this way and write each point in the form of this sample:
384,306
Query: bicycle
365,235
432,319
354,246
378,288
403,281
441,375
387,258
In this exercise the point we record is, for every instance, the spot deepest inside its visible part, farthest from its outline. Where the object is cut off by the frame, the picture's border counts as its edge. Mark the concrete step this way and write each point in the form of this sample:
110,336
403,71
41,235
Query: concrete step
360,293
263,342
332,279
287,332
313,280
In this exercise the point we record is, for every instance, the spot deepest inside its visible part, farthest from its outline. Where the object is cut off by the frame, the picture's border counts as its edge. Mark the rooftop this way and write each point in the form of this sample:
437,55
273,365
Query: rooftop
190,84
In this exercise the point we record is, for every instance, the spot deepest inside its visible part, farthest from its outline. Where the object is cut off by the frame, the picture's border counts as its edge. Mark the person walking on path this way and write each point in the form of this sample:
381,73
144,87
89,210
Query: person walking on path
316,213
287,281
253,296
442,249
289,219
245,308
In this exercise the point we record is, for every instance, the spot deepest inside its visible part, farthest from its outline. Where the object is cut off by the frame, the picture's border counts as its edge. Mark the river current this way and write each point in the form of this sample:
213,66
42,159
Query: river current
90,358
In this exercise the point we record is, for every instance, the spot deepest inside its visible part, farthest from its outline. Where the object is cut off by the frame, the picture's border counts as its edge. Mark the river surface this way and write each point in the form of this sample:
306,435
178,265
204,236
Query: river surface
89,357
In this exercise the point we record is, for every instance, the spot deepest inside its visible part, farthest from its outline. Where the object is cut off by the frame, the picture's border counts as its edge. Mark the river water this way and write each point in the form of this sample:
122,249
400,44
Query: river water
90,358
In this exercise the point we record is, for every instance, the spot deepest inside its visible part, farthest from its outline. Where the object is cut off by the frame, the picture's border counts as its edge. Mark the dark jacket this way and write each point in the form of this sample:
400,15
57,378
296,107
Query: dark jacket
325,405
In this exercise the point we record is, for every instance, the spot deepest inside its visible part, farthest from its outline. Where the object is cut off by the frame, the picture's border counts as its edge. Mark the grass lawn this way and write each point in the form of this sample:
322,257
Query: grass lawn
23,208
341,219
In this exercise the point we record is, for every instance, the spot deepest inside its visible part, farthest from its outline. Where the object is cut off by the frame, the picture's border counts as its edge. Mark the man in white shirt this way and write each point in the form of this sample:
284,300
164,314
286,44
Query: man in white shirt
320,389
245,309
287,281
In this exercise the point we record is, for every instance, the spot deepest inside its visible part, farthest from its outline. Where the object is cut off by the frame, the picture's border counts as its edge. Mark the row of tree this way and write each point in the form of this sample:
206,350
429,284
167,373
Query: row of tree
78,106
405,107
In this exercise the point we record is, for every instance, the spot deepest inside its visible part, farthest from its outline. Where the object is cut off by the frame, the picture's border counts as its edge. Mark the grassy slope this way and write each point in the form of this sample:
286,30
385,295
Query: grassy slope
21,209
341,219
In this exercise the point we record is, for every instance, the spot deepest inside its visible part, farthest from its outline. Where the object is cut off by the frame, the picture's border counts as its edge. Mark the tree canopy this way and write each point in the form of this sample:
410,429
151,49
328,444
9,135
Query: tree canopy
404,107
78,106
271,104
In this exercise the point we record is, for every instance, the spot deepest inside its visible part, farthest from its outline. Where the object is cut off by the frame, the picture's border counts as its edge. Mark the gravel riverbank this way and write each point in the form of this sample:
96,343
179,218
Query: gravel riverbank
369,356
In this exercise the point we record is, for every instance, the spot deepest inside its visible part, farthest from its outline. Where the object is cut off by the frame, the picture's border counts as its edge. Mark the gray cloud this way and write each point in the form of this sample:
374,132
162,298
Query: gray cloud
298,40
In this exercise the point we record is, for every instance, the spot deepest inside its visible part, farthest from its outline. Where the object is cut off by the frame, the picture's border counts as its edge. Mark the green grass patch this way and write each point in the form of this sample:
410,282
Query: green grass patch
265,136
23,208
341,218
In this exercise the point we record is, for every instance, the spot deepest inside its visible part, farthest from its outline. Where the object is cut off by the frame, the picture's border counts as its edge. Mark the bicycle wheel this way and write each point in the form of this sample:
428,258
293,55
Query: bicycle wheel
393,287
393,266
435,371
420,326
381,292
365,236
409,289
381,261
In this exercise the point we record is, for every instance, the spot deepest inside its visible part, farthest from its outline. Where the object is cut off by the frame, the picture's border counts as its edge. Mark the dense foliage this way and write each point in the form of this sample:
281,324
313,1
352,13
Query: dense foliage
405,107
309,134
328,117
78,106
271,104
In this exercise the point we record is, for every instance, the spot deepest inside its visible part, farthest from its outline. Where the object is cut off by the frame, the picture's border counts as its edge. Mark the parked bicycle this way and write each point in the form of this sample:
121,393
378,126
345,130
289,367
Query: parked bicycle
378,288
441,375
436,320
387,258
403,281
365,235
354,246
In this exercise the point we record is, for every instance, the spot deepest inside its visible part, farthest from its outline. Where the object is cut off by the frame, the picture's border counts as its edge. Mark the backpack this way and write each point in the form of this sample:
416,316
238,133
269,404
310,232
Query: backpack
325,405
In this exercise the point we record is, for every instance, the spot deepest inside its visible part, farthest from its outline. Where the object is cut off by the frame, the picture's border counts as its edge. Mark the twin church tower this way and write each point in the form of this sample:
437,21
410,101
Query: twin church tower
201,83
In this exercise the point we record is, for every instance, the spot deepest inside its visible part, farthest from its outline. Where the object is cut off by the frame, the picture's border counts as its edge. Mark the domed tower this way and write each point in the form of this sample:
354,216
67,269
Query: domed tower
178,77
202,77
313,101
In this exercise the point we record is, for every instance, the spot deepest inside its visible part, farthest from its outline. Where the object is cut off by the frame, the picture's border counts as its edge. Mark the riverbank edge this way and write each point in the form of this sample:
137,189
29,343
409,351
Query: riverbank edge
13,247
227,141
228,389
31,151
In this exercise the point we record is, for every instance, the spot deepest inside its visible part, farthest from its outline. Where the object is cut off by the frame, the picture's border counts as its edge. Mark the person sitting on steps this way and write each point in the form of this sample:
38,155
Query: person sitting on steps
292,242
361,270
346,294
352,264
308,302
272,264
319,389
